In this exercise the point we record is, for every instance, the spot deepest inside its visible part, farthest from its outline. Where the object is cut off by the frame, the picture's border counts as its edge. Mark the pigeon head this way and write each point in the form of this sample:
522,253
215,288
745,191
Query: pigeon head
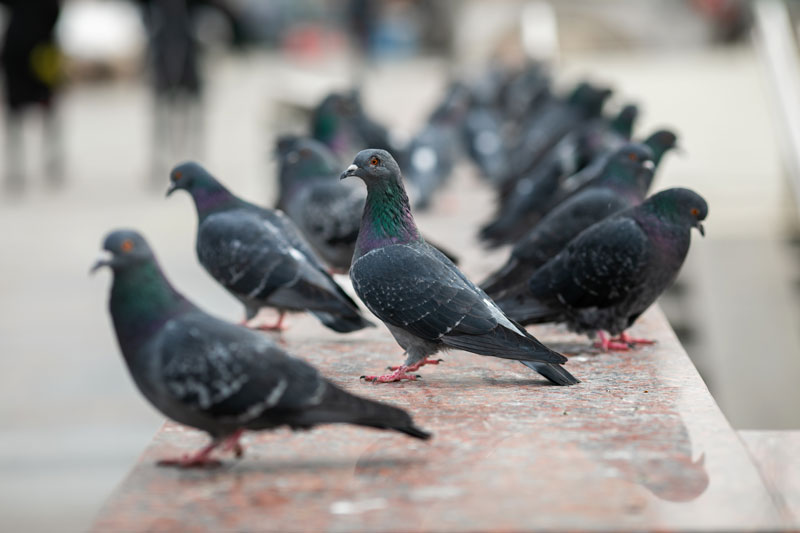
678,206
631,164
125,248
189,176
374,167
623,122
588,98
306,158
660,143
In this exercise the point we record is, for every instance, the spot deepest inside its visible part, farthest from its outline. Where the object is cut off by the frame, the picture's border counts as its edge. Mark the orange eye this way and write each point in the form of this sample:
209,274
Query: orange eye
127,245
177,175
633,157
374,161
695,211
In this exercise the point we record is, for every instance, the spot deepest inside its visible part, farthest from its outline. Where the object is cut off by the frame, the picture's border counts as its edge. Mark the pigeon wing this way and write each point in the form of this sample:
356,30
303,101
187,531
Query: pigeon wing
598,268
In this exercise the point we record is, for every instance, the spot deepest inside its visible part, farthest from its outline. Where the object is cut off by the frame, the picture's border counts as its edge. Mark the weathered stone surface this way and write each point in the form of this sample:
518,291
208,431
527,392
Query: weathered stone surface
640,444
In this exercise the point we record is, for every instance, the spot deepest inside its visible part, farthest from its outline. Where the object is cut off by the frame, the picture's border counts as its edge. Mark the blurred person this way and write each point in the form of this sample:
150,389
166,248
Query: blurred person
31,65
177,79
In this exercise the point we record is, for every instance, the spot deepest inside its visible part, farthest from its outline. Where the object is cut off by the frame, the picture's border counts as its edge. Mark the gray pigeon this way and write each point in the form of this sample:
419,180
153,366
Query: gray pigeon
613,271
327,210
215,376
425,301
260,257
623,183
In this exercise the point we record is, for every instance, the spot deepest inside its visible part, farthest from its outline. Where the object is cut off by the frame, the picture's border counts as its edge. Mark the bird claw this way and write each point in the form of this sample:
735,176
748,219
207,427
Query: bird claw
609,345
417,365
191,462
632,341
391,378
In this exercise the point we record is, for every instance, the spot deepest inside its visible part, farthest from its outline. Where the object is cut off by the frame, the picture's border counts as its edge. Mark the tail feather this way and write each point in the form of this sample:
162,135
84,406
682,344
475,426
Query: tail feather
339,406
505,343
509,275
519,305
343,323
555,373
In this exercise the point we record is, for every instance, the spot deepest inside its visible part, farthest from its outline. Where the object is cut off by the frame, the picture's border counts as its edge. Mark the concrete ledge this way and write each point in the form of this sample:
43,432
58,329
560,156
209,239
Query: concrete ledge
777,455
640,445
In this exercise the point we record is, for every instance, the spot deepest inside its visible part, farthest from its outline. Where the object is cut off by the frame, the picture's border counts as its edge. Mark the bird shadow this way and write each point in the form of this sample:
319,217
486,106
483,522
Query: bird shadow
255,465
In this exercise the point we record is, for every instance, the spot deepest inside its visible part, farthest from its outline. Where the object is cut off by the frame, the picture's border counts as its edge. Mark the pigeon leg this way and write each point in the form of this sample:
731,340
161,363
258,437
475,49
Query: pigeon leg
232,444
607,344
624,337
277,326
200,459
416,366
398,375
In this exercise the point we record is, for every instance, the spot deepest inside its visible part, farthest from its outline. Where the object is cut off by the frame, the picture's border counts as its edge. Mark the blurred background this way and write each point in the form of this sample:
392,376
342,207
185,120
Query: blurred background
123,90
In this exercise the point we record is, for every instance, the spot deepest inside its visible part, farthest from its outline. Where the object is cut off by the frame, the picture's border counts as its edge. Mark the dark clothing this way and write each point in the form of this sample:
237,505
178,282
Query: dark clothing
30,58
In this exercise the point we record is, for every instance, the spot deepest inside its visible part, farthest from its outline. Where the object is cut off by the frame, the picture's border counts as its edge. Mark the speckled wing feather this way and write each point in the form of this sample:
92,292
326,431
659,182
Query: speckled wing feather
432,300
227,372
598,268
246,254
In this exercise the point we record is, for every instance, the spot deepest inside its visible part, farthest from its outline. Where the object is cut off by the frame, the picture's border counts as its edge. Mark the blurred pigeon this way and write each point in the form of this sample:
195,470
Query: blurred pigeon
624,182
532,201
483,137
527,91
552,121
522,202
613,271
340,122
425,301
260,257
215,376
327,210
433,152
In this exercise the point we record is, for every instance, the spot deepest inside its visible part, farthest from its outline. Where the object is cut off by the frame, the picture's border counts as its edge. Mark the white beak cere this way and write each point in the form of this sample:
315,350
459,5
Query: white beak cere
351,168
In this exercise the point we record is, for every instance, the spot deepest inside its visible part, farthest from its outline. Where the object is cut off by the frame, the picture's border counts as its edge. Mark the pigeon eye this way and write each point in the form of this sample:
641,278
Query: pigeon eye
127,245
695,211
374,161
176,176
633,157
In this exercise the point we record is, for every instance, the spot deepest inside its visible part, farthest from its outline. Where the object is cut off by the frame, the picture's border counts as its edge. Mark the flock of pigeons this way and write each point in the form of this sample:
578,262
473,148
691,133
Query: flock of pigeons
591,250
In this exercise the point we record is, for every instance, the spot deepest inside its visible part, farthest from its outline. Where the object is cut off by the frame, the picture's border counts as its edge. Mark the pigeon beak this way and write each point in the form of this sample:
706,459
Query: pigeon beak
100,263
350,171
649,165
172,188
700,228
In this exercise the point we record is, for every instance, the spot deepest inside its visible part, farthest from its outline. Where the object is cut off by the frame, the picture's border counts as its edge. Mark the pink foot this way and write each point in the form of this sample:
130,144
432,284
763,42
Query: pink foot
607,344
398,375
232,444
277,326
201,459
416,366
632,340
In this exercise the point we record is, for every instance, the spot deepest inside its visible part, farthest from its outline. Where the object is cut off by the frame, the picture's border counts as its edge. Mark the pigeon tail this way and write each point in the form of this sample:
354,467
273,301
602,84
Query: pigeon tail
509,275
504,343
343,323
339,406
557,374
523,307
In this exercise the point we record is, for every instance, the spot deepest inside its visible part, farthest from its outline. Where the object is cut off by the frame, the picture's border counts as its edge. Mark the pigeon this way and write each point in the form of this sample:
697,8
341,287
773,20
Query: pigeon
521,202
624,183
327,210
433,152
483,138
553,120
218,377
339,121
614,270
260,257
532,201
425,301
